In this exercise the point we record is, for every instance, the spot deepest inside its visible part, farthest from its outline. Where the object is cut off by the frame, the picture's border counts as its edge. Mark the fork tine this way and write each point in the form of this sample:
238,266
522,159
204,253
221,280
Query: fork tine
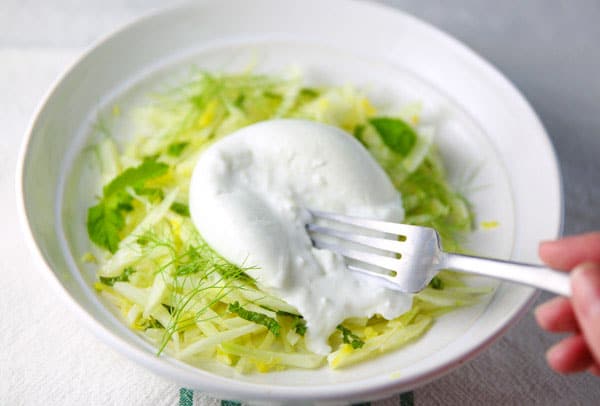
373,242
391,281
381,261
383,226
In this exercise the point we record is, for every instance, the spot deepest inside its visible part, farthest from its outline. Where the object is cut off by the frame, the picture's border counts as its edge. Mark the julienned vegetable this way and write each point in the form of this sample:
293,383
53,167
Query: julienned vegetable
172,288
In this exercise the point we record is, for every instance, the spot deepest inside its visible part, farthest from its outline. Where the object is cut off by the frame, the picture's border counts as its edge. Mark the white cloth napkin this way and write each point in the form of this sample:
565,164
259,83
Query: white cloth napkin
47,358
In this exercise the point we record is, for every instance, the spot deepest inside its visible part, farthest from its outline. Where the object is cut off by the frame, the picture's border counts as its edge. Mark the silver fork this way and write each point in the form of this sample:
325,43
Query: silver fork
418,256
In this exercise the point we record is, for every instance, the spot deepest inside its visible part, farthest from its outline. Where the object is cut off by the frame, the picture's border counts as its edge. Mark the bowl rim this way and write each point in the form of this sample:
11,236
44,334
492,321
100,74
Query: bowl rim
371,387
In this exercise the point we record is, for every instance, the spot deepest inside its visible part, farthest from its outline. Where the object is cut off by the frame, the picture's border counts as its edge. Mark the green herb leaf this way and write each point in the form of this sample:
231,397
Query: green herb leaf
350,338
272,95
309,92
358,134
103,226
142,240
124,277
232,272
181,209
176,149
152,323
255,317
170,309
436,283
105,220
124,203
299,324
239,101
193,263
135,177
152,192
358,131
395,133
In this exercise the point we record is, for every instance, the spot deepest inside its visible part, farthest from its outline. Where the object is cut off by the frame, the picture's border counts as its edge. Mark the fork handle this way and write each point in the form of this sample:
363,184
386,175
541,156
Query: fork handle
533,275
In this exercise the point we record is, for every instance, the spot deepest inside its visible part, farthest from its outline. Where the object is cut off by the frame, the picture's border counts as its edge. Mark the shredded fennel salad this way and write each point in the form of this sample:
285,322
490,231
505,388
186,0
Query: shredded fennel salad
177,292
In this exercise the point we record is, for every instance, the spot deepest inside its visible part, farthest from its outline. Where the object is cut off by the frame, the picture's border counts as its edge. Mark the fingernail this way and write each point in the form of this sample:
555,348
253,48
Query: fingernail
537,313
545,244
585,282
554,351
555,358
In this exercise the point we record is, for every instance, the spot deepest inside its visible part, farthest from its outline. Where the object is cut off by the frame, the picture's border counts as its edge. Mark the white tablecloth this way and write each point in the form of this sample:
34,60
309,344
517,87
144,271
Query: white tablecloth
47,358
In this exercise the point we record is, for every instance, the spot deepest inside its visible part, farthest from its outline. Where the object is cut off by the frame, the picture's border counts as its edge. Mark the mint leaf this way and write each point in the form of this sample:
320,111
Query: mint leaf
124,277
309,92
300,326
177,148
105,220
103,226
436,283
350,338
152,323
181,209
395,133
255,317
152,192
135,177
239,101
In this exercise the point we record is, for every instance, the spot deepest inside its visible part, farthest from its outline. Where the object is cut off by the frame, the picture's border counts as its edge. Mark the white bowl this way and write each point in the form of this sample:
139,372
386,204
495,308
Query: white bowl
486,124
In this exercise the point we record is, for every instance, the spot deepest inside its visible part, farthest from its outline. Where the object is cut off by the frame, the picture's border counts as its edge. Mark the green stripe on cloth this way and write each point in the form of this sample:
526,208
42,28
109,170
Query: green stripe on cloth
186,397
407,399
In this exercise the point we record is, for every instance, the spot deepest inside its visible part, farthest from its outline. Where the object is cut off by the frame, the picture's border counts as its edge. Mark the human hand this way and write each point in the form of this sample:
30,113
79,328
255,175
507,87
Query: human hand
579,315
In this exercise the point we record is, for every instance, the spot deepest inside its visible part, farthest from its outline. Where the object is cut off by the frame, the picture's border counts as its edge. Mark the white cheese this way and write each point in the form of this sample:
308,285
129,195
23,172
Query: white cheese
248,196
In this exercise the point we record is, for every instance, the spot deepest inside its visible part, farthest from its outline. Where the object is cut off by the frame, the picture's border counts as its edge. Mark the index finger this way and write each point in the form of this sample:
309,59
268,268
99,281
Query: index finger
568,252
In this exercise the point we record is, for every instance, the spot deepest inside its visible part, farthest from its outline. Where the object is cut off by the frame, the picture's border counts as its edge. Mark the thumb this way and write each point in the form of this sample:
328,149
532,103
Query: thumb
585,283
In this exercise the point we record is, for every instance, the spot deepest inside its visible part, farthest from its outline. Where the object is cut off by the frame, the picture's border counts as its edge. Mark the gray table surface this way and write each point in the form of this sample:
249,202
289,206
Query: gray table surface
549,49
